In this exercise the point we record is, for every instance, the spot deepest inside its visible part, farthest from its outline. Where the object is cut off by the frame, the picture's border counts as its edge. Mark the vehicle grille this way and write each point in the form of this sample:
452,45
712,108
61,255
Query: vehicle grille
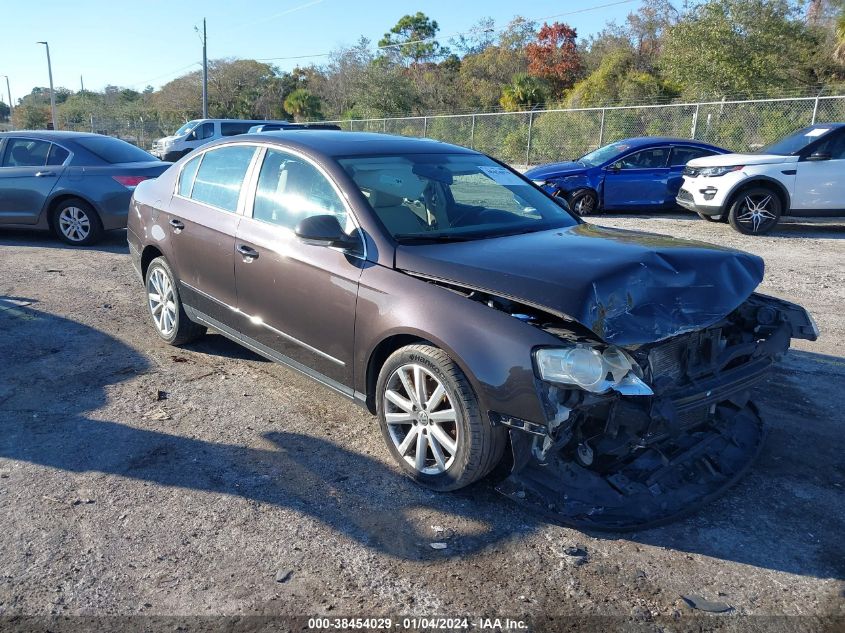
692,172
666,361
683,194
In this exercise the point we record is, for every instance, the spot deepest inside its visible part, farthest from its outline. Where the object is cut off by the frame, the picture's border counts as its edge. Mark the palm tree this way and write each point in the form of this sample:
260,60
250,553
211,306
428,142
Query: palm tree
303,105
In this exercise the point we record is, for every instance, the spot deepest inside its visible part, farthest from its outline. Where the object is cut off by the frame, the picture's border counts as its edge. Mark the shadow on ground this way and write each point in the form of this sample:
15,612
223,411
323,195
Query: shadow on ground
788,515
112,242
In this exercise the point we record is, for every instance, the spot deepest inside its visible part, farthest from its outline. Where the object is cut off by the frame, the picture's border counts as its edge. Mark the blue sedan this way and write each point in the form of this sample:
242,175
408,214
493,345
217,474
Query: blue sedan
636,173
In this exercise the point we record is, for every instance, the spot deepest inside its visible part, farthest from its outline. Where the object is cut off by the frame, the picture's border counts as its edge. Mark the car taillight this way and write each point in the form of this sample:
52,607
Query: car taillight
130,181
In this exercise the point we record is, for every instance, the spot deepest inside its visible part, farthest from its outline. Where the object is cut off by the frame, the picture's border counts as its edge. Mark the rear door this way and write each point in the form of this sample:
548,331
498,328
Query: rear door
678,159
638,180
298,299
29,170
820,184
202,221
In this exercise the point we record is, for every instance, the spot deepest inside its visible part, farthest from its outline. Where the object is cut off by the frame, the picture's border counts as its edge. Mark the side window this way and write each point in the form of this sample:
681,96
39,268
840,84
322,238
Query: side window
220,176
290,189
186,178
234,128
22,152
835,146
206,130
58,155
683,155
646,159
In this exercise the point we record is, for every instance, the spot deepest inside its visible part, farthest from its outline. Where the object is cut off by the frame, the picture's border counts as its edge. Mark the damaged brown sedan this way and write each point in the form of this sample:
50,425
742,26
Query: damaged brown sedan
474,315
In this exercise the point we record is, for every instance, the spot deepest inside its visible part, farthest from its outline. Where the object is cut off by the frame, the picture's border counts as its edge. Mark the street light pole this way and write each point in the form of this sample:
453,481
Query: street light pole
204,72
9,92
52,92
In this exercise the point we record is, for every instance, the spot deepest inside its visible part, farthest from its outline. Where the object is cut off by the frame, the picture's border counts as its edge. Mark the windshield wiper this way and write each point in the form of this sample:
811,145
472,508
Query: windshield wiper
411,238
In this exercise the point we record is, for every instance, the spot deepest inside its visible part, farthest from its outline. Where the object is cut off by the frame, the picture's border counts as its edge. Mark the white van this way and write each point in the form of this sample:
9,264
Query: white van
199,132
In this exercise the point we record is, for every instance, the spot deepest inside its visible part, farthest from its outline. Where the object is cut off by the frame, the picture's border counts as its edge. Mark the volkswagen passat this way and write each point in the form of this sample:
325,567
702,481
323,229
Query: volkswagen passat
473,314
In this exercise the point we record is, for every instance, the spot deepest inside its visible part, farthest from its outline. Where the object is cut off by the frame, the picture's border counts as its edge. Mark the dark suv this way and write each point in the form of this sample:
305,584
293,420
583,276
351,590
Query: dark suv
471,311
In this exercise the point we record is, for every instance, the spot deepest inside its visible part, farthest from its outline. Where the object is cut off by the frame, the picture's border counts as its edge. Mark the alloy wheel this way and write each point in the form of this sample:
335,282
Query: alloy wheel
421,419
74,224
162,301
756,212
585,205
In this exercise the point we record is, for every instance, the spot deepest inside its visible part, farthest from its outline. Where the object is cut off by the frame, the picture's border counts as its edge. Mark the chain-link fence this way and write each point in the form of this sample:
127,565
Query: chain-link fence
541,136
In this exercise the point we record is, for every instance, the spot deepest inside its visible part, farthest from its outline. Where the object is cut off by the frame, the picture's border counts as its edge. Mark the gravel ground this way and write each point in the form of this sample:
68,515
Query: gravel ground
136,478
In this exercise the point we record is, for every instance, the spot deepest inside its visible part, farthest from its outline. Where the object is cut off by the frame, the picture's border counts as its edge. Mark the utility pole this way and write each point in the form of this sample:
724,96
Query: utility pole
204,72
52,92
9,92
81,84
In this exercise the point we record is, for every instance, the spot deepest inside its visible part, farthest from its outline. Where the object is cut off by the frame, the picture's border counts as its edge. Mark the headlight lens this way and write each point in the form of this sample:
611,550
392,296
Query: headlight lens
591,369
712,172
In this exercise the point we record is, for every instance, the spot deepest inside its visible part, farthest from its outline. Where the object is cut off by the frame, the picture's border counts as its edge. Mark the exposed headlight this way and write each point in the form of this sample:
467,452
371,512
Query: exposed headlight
712,172
591,369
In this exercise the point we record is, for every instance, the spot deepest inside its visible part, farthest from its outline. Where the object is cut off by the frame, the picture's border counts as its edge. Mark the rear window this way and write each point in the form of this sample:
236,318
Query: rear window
113,150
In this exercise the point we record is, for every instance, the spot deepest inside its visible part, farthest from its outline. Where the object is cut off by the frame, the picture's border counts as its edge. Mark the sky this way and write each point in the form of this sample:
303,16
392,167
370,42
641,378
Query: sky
149,42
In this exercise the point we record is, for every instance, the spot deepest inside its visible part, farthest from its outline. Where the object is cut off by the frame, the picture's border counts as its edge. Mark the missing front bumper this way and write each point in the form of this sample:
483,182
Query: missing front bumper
658,484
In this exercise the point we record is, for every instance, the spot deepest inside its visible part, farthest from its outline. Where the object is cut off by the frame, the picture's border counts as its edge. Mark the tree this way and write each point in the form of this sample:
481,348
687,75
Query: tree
619,80
743,48
4,110
524,92
303,104
29,116
412,41
554,57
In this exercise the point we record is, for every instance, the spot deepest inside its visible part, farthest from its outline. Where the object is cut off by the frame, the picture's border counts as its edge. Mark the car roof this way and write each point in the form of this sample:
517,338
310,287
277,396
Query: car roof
50,135
640,141
336,143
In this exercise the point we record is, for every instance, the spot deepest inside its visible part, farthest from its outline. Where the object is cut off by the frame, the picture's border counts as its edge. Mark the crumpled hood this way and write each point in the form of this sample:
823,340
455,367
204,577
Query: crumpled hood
729,160
554,170
627,287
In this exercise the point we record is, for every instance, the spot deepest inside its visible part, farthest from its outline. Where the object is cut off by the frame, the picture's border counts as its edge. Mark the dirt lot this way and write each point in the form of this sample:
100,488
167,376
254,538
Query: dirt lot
138,478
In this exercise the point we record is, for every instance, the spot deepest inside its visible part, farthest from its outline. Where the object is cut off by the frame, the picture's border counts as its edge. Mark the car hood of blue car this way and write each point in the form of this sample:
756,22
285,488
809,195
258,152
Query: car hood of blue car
556,170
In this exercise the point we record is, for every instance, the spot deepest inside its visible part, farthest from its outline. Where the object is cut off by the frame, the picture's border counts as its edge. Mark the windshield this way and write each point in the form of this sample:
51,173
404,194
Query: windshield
794,143
603,154
190,125
451,197
113,150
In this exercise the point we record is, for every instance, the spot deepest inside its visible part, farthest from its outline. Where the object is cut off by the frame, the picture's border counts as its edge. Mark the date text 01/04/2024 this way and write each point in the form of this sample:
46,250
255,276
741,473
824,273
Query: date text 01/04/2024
415,623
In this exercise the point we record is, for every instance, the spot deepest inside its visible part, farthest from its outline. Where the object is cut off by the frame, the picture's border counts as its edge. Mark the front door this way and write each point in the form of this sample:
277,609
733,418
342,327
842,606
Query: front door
29,171
820,184
298,299
202,221
637,181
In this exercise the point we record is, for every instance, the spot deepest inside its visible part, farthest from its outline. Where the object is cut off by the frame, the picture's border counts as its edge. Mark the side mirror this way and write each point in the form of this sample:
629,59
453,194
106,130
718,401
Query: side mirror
615,166
818,156
323,230
191,137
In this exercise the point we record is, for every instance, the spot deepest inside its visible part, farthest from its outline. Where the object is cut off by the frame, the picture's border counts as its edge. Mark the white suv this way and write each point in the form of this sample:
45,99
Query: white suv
800,175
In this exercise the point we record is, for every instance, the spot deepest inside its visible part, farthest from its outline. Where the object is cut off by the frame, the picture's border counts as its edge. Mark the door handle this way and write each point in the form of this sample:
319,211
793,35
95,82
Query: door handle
247,253
177,225
42,174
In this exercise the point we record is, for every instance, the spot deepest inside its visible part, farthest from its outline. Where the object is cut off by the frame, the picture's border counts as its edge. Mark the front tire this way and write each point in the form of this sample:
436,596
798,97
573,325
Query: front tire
755,211
165,307
77,223
584,202
431,421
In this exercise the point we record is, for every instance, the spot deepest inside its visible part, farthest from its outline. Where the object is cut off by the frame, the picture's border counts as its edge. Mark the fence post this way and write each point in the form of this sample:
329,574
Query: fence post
815,111
601,128
528,148
695,121
472,134
384,126
425,127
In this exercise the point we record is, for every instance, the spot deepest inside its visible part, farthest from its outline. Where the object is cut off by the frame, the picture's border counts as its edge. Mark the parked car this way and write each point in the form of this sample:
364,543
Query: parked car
635,173
199,132
275,127
800,175
72,183
469,311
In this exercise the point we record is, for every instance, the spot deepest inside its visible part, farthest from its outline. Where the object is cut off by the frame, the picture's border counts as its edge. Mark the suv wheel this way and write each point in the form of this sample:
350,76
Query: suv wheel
584,202
169,318
76,223
431,421
755,211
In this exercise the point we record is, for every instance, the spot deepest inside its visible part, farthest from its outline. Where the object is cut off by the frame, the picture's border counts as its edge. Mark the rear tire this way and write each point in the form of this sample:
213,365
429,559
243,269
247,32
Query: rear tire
430,419
75,222
755,211
170,321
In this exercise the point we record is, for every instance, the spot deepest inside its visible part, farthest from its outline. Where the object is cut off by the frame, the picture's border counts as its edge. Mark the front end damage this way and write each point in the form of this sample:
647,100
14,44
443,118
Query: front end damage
615,461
